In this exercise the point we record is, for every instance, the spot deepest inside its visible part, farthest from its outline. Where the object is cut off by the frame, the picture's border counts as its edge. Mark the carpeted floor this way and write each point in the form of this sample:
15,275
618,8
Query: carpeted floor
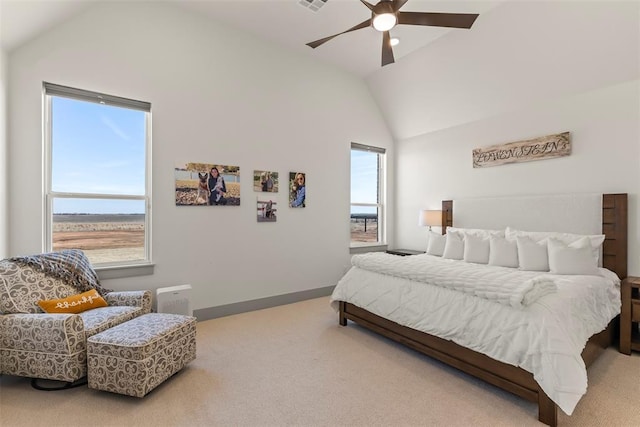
294,366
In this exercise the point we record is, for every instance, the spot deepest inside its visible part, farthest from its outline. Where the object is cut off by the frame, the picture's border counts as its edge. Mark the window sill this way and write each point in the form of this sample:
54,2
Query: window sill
122,271
360,249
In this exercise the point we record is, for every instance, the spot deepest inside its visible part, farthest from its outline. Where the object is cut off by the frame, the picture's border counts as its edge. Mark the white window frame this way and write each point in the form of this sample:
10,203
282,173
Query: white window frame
50,90
382,196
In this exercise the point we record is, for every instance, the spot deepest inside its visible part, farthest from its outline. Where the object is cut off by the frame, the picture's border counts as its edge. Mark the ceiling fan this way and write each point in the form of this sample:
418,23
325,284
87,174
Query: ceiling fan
386,14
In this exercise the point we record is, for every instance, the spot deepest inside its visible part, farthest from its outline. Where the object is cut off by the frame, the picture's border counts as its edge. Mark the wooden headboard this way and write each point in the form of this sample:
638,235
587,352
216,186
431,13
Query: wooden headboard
614,227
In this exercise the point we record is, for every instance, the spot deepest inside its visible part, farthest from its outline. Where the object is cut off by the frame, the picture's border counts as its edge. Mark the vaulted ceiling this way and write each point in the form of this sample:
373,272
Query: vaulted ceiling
518,52
285,22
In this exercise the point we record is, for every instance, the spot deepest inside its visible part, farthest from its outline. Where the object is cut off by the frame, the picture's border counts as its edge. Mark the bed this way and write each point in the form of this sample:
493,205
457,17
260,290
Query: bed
611,213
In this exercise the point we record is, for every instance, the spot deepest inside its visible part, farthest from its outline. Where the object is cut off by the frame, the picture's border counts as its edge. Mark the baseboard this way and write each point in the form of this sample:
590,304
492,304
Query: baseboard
261,303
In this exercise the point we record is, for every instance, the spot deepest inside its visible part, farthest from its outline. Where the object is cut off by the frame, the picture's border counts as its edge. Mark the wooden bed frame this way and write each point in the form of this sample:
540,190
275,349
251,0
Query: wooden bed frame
508,377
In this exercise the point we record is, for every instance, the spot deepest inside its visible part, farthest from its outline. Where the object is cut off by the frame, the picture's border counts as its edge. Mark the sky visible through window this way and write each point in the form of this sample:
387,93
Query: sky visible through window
364,180
100,149
97,149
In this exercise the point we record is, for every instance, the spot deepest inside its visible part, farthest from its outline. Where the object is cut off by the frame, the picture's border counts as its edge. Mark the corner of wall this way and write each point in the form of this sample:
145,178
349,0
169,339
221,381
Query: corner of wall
4,190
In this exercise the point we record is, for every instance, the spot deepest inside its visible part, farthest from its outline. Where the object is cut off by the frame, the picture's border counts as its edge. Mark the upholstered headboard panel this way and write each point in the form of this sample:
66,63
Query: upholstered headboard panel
572,213
569,213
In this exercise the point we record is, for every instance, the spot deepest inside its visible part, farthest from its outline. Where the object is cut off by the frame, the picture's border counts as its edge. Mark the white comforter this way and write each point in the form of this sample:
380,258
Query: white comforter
545,338
507,286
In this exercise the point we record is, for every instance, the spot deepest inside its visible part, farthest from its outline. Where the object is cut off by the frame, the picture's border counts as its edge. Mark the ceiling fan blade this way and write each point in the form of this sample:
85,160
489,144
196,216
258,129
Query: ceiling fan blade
361,25
453,20
369,5
397,4
387,50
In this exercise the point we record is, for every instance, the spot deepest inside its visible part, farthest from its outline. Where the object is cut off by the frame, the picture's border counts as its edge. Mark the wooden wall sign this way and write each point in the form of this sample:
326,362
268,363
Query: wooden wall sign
545,147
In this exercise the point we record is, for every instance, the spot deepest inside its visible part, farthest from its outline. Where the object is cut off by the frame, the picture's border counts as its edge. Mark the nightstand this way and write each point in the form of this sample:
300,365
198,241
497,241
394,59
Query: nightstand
630,315
404,252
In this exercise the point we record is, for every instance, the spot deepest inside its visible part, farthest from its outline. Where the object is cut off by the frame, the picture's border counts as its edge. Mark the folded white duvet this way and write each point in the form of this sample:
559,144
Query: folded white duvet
506,286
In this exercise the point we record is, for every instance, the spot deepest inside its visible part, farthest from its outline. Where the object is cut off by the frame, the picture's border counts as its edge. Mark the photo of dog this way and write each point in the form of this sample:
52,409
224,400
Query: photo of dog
203,189
206,184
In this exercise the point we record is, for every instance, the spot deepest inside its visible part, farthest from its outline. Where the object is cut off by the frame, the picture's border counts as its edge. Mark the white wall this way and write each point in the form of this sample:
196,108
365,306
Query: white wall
605,157
219,96
515,55
526,69
4,215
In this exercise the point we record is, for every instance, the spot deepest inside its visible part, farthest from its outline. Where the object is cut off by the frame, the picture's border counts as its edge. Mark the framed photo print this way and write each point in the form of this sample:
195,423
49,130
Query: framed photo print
297,189
207,184
267,210
265,181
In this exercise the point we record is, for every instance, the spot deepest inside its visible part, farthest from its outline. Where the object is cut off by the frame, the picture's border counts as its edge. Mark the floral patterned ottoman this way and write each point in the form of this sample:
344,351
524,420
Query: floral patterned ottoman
135,357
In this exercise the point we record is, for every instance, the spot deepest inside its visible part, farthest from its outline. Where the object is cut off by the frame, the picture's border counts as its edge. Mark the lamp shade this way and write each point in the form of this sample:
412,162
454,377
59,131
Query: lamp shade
430,218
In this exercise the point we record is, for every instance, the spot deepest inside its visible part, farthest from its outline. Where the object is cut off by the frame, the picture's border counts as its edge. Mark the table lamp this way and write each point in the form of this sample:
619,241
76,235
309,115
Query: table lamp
430,218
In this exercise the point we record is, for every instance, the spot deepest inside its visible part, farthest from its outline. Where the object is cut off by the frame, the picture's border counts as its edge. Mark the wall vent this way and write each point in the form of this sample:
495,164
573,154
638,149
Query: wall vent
314,5
174,299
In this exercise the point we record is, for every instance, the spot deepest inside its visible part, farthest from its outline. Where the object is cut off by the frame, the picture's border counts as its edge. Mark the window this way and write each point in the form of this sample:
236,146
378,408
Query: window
367,195
97,175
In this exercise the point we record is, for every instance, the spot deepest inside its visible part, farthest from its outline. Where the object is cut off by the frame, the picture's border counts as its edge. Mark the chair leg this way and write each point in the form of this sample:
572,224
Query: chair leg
66,385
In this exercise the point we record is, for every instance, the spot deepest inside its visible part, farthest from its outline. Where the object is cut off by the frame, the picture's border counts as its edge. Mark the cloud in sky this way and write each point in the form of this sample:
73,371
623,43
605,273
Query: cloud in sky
111,125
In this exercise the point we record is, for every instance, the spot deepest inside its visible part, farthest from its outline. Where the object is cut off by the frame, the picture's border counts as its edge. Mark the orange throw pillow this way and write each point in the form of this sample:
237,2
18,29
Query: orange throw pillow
74,304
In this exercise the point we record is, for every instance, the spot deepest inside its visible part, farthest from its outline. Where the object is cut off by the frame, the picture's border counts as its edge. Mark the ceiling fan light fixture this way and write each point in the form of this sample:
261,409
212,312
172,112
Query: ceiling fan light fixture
384,16
385,21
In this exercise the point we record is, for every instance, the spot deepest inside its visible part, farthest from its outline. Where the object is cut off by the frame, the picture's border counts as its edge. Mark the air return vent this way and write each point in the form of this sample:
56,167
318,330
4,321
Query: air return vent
314,5
174,299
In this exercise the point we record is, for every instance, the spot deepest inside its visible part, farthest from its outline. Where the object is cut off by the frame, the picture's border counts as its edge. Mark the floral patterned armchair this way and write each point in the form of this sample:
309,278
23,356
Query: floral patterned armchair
53,346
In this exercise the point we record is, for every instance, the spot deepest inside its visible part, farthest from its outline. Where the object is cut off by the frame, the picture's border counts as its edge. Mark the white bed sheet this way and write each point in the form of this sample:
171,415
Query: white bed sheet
545,338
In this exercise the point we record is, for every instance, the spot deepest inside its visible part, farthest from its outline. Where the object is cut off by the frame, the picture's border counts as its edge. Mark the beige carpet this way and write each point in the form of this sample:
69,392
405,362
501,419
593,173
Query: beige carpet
293,365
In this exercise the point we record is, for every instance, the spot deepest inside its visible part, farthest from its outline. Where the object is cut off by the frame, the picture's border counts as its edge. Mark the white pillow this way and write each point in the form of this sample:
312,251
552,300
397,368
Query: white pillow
596,240
503,252
532,256
576,258
454,248
476,249
436,243
463,232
